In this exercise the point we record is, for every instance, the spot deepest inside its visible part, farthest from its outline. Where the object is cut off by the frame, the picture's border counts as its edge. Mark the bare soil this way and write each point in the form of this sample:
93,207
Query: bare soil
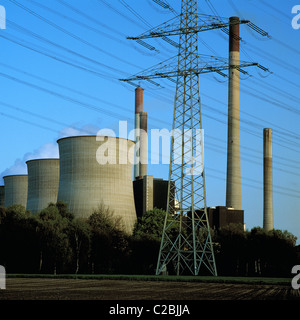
80,289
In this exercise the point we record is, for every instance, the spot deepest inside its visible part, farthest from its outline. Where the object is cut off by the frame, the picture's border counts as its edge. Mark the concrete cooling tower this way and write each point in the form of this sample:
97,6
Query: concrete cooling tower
43,181
16,190
87,180
2,196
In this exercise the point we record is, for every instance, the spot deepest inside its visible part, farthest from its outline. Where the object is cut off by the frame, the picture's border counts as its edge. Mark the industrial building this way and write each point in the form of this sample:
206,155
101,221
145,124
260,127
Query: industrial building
16,188
222,216
150,193
43,179
96,171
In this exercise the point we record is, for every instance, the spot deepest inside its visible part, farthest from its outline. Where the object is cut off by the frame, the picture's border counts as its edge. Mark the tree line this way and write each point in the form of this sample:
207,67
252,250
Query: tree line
54,241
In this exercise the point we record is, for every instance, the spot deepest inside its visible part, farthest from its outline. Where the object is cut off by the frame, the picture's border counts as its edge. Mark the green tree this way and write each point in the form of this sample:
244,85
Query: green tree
231,250
18,243
151,225
79,233
145,241
273,252
64,211
255,252
109,241
54,242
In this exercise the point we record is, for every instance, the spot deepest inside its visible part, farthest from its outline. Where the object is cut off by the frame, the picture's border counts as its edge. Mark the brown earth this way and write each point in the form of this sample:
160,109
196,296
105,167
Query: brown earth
79,289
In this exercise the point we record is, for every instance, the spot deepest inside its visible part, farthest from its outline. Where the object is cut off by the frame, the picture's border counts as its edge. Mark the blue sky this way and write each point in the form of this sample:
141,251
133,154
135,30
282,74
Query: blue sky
60,65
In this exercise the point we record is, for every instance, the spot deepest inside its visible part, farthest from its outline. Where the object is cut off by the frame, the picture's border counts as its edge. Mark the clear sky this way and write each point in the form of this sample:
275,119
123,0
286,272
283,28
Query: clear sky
59,70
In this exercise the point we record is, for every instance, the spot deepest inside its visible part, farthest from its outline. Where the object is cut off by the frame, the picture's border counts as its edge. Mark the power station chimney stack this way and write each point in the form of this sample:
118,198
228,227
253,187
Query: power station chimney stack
233,186
139,97
143,143
268,188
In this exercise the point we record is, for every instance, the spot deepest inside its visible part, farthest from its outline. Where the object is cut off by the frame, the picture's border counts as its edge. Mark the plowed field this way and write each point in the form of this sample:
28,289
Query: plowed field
80,289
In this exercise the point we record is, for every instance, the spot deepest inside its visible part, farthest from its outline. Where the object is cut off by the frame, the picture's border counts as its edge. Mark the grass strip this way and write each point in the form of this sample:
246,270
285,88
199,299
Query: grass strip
207,279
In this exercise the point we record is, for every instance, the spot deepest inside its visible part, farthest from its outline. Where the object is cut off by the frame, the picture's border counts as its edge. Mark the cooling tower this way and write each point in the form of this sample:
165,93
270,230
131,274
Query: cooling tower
233,182
268,184
16,190
43,180
2,196
95,170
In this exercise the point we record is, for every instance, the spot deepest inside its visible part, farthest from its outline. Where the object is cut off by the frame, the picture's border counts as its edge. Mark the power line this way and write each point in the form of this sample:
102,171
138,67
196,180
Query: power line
88,17
39,116
55,57
289,108
72,35
62,96
275,9
121,107
80,22
35,35
120,13
79,12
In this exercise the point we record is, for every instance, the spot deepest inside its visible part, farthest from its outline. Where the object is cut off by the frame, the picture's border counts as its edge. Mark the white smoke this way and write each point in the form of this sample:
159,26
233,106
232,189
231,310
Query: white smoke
49,150
86,130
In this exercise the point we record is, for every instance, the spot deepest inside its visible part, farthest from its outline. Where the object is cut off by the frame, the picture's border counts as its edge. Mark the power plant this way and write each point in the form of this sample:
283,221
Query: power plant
94,171
16,189
97,170
43,179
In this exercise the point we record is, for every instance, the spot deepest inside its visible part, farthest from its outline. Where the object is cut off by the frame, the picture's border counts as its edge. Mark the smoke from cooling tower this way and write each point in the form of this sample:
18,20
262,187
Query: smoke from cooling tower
49,150
86,130
46,151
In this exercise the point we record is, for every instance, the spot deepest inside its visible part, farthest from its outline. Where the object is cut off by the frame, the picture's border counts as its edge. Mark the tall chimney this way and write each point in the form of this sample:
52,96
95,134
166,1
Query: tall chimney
268,192
233,186
139,97
143,144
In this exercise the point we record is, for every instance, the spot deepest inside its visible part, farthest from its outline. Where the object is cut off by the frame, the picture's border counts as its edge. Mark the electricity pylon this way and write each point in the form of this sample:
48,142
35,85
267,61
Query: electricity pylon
186,243
191,245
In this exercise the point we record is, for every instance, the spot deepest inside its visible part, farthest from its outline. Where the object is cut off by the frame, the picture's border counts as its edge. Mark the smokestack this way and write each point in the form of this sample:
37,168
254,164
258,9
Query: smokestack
233,187
139,97
268,196
143,144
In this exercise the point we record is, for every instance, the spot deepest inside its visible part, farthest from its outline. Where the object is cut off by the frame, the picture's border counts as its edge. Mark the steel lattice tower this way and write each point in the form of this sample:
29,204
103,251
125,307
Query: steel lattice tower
189,245
186,243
